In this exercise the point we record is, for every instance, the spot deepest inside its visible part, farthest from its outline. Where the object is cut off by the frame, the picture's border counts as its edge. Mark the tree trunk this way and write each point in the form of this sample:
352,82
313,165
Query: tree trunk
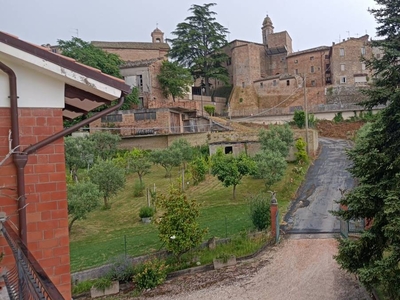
70,224
234,192
140,179
105,202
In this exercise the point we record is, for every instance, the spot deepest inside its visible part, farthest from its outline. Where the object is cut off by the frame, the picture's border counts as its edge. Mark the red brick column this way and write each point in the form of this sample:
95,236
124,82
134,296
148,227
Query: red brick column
274,210
46,195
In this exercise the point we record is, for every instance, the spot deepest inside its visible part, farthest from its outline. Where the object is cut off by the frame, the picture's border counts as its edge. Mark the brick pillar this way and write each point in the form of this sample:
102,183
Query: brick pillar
274,210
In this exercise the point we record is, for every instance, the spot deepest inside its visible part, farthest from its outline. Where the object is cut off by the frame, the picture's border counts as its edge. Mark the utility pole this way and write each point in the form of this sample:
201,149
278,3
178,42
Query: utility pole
306,112
201,98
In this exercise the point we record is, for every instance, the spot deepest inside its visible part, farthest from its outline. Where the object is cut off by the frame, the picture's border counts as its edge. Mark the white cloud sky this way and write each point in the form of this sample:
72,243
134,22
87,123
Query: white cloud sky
310,23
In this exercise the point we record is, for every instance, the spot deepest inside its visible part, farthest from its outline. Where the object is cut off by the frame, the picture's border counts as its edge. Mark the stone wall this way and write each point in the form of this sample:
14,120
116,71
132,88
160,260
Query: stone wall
137,54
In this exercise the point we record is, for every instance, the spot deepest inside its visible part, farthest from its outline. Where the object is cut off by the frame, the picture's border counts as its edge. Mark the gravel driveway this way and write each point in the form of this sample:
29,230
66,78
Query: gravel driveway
296,269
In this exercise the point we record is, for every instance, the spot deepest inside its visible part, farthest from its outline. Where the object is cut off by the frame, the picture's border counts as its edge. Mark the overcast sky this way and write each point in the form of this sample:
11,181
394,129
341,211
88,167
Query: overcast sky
310,23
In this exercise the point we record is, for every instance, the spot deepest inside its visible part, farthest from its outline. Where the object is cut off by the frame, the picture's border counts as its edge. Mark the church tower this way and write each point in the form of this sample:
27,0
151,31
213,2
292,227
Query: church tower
267,29
157,36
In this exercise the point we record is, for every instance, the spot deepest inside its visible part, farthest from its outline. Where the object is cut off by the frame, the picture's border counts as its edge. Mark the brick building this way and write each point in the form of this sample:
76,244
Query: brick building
270,74
38,89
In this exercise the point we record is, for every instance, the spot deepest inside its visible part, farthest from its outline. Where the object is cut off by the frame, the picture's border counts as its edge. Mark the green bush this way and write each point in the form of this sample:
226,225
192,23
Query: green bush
150,274
146,212
121,269
102,283
82,287
260,212
198,168
210,109
301,154
338,117
138,189
299,118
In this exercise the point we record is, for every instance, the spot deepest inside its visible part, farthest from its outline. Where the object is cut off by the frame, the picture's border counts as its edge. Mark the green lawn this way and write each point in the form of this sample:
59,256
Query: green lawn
108,233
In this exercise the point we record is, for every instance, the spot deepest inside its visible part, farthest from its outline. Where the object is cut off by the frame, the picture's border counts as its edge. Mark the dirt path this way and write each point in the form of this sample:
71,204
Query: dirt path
296,269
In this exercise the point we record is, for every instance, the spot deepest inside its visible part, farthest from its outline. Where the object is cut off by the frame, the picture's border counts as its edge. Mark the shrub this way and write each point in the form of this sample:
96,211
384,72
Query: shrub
198,168
224,257
146,212
102,283
338,117
210,109
150,274
260,211
82,287
301,154
121,269
138,189
299,119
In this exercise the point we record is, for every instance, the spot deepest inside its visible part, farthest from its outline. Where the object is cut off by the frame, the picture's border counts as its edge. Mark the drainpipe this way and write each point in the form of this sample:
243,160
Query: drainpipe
20,158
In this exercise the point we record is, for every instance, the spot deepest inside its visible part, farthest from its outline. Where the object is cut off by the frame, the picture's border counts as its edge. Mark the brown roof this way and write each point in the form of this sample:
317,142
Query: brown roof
139,63
316,49
65,62
131,45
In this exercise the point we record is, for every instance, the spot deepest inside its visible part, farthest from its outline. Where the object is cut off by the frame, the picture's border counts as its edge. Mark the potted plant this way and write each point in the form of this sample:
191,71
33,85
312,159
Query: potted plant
146,213
104,286
224,260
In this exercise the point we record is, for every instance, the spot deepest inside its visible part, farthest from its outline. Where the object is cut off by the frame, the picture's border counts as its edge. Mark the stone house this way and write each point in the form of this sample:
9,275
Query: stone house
270,74
38,90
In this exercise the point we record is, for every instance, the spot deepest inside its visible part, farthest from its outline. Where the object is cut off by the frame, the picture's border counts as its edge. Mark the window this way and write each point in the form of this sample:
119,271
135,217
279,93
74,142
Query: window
312,69
326,56
111,118
145,116
274,83
343,79
328,79
261,84
141,102
296,61
363,66
363,51
229,61
341,51
313,83
297,71
311,57
342,67
228,150
139,81
287,82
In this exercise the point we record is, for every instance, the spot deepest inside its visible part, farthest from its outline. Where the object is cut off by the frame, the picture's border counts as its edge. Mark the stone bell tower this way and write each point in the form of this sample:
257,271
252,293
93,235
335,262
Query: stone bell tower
267,29
157,36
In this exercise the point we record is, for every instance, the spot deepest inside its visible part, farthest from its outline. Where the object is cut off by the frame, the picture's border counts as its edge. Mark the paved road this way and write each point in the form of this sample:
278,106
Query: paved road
317,196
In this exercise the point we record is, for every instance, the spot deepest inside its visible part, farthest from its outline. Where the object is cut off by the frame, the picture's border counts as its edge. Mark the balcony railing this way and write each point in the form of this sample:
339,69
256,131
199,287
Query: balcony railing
27,279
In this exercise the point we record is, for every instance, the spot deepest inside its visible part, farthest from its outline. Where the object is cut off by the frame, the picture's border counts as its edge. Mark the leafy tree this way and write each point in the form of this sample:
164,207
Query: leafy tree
299,119
175,80
198,44
167,159
136,161
108,177
78,154
179,228
260,211
183,150
83,197
108,63
277,139
270,166
375,256
90,55
230,169
301,153
198,168
105,144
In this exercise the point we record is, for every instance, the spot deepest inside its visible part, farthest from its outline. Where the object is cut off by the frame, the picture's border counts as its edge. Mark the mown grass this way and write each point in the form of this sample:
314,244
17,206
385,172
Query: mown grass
108,233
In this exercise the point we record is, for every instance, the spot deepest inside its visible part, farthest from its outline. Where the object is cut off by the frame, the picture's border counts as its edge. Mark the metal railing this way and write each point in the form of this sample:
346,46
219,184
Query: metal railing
27,279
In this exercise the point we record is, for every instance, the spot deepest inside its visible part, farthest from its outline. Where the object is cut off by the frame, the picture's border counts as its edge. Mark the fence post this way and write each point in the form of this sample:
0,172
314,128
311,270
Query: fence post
274,210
